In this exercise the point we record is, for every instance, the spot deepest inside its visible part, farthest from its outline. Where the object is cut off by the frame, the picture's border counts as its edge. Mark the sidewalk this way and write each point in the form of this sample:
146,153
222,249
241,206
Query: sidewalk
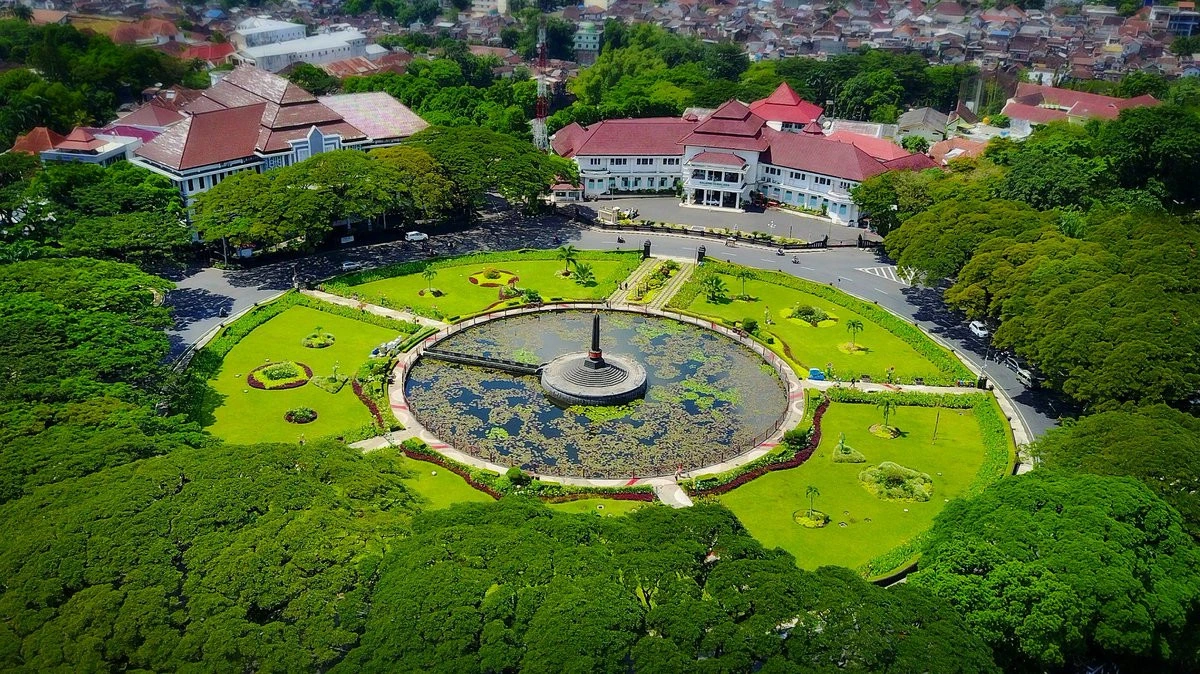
374,309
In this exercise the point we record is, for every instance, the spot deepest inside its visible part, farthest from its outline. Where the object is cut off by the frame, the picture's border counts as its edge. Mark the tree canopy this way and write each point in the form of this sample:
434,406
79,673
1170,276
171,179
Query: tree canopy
1055,571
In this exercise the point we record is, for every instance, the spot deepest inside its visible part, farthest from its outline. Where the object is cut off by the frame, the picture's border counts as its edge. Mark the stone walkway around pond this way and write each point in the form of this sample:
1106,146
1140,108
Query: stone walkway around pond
374,308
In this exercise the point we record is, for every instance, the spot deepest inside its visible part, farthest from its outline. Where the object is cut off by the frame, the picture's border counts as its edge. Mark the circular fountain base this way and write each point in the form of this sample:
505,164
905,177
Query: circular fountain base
576,379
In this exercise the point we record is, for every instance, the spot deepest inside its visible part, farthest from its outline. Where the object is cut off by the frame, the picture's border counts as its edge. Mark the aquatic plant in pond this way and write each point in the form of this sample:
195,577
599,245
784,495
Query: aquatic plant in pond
708,398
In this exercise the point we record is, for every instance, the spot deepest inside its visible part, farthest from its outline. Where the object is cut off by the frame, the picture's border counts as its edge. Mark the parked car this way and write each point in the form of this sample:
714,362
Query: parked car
415,236
351,266
978,329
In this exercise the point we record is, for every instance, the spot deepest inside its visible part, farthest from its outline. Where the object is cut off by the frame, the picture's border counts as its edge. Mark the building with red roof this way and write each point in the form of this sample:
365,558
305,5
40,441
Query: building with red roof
1038,104
91,146
784,110
720,158
210,52
254,120
38,139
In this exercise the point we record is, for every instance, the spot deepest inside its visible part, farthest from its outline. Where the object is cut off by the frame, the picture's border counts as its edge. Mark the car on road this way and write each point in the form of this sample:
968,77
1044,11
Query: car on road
978,329
415,236
351,266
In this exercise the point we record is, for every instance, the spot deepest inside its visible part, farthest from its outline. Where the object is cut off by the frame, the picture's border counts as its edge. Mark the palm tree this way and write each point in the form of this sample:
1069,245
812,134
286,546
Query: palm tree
584,274
429,274
887,406
20,12
568,253
812,493
742,275
853,326
714,288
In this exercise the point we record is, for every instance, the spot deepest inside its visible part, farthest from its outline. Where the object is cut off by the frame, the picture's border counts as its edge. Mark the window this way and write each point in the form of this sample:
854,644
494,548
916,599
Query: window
662,182
844,185
772,171
637,182
618,162
732,177
698,174
671,161
822,181
795,175
624,182
594,161
645,161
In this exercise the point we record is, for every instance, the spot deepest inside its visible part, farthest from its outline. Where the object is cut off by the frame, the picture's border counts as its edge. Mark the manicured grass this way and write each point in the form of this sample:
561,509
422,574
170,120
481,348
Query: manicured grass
612,507
441,490
808,346
765,505
462,297
247,414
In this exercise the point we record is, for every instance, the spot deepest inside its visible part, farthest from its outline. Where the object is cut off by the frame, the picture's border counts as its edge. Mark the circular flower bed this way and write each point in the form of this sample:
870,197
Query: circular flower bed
318,339
493,278
278,376
300,415
893,482
810,519
885,432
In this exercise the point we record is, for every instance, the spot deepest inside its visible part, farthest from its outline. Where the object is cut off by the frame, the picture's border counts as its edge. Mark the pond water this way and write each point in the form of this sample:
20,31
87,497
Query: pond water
708,397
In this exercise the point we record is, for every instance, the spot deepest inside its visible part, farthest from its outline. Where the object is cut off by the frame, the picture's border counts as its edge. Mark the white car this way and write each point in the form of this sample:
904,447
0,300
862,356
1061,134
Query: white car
978,329
415,236
351,266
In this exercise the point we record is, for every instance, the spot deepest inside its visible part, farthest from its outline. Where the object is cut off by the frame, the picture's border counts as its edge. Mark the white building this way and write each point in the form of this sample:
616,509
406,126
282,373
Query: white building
587,36
724,160
318,49
257,31
252,120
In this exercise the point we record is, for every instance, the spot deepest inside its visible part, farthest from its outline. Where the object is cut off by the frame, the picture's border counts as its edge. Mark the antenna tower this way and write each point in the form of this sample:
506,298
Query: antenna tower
542,107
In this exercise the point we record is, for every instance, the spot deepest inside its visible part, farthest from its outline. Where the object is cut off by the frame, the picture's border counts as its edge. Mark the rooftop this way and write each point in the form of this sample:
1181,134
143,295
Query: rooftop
312,43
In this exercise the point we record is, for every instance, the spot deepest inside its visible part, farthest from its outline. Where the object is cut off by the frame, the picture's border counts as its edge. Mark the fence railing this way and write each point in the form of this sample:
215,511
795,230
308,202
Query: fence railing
718,455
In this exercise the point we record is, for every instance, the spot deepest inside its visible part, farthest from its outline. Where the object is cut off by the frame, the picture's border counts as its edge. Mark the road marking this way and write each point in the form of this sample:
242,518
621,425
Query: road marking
886,272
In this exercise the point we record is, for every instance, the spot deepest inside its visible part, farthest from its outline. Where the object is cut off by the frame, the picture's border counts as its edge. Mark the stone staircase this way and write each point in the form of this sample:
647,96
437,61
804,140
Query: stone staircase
635,277
668,291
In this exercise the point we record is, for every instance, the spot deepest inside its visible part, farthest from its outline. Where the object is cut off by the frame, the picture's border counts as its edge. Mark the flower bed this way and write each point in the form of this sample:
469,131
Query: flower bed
493,278
300,415
893,482
318,339
279,376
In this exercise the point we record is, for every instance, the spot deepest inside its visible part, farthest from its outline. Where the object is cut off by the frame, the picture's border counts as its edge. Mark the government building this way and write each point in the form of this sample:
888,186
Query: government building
774,149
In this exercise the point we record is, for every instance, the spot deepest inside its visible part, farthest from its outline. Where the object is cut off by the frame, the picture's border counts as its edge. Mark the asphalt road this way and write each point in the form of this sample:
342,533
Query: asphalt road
202,294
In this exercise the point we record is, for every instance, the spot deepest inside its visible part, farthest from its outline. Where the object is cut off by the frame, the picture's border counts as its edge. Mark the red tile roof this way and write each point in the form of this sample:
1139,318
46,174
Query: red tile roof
38,139
785,105
965,148
80,141
879,148
207,138
1078,103
144,135
378,114
912,162
151,115
732,127
719,158
659,136
804,152
208,51
1032,113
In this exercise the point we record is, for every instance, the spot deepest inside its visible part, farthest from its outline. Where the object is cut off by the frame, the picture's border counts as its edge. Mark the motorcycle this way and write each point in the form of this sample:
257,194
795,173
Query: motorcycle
796,259
620,239
779,251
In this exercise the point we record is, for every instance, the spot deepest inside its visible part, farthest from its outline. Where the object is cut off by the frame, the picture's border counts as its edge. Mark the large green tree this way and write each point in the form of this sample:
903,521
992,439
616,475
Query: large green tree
1156,444
1055,571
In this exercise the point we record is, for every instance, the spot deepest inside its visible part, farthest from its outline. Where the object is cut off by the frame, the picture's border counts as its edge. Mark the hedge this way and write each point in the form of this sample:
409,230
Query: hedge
498,485
790,457
942,359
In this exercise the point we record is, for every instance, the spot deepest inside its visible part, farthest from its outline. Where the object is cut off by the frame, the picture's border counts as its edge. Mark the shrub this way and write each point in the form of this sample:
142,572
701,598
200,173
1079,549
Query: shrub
491,273
844,453
750,325
810,314
518,477
300,415
279,371
279,376
318,339
894,482
531,295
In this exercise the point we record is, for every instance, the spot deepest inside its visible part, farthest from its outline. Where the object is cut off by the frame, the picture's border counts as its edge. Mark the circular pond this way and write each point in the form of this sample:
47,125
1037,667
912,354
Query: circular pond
708,398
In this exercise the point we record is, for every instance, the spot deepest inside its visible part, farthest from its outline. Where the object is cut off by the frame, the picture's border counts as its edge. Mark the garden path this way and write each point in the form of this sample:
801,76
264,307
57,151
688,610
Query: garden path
685,272
621,294
375,309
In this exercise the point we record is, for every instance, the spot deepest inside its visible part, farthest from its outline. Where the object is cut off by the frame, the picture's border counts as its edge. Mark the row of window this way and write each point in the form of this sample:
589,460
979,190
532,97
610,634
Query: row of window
637,183
641,161
809,201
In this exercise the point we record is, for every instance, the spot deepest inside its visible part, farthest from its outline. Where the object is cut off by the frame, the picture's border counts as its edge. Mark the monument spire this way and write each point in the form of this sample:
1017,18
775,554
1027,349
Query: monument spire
594,354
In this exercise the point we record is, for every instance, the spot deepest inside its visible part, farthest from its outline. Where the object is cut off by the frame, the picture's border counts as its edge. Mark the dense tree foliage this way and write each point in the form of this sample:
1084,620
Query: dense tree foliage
458,89
1156,444
121,212
644,71
512,587
312,79
1056,571
81,357
72,78
255,558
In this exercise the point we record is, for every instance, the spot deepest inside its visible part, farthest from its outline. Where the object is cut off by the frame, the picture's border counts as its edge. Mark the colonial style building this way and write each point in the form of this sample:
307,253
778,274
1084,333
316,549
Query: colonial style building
253,120
727,157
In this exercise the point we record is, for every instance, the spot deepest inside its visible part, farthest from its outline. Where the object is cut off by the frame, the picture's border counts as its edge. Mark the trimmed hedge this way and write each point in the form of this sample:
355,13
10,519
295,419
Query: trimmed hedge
794,454
498,485
952,369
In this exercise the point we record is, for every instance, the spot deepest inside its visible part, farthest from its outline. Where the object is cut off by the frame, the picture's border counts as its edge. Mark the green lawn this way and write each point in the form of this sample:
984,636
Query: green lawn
441,490
809,346
765,505
611,507
247,414
462,297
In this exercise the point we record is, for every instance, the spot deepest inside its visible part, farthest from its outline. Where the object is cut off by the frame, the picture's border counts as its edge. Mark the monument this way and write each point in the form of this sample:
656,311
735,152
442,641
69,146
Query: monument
590,378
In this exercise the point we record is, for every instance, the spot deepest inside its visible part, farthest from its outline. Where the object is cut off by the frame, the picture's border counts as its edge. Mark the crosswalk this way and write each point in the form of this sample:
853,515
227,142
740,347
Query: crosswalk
887,272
